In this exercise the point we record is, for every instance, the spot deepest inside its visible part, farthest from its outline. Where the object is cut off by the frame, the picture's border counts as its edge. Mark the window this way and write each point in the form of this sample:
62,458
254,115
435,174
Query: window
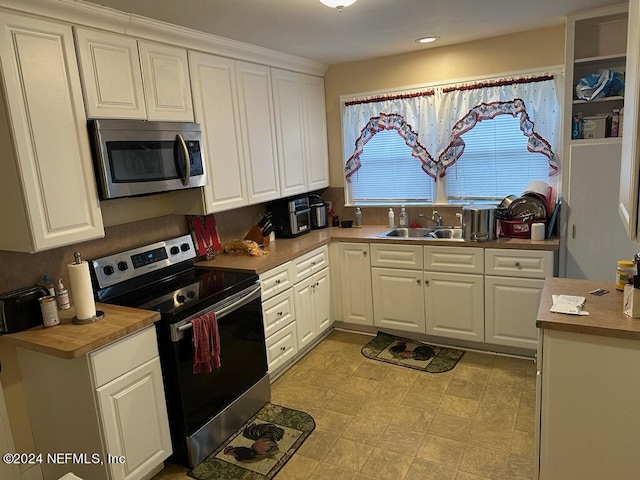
495,163
389,173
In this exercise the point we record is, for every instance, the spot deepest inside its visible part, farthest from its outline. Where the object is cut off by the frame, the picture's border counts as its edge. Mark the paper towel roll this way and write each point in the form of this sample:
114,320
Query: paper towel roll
81,290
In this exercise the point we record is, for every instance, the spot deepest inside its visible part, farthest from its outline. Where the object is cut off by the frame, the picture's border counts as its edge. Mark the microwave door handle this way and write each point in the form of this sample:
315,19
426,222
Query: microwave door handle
187,163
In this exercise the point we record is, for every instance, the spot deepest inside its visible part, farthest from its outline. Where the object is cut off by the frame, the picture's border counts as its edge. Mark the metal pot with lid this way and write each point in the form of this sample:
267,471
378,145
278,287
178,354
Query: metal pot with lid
479,223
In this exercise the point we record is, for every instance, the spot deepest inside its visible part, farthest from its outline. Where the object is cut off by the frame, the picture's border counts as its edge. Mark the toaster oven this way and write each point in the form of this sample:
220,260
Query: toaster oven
291,217
20,310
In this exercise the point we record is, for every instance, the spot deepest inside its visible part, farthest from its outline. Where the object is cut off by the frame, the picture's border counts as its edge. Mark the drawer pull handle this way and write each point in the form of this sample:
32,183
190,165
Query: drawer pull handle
279,314
283,348
313,263
518,265
277,281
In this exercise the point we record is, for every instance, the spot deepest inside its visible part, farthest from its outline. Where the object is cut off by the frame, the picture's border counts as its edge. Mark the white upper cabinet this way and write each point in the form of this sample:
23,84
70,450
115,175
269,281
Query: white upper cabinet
258,132
111,75
165,73
215,98
630,164
315,132
47,186
301,131
287,100
126,78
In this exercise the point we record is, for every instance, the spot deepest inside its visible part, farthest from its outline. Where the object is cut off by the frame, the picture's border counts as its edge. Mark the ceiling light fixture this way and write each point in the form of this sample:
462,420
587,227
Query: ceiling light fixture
338,4
430,39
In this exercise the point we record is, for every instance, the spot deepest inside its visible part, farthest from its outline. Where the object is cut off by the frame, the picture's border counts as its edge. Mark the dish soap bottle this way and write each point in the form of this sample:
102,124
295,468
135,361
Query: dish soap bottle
392,220
358,217
62,295
404,218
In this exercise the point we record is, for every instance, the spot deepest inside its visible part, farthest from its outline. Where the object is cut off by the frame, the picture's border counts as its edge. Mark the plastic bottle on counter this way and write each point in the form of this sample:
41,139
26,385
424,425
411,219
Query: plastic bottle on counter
404,218
48,284
625,270
392,220
62,295
358,217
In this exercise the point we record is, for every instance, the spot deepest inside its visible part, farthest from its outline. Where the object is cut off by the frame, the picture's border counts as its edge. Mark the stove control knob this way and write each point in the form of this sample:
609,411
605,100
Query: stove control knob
180,298
174,250
184,247
191,294
108,270
122,266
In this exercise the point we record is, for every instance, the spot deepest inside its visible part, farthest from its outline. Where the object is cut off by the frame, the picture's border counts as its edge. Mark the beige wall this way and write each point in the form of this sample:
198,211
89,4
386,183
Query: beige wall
518,51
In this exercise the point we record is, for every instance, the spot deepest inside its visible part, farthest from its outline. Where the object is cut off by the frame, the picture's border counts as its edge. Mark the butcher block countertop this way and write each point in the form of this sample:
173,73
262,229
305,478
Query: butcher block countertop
605,312
70,341
285,249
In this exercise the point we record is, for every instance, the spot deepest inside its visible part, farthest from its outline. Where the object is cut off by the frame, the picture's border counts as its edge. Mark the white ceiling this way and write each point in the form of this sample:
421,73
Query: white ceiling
367,29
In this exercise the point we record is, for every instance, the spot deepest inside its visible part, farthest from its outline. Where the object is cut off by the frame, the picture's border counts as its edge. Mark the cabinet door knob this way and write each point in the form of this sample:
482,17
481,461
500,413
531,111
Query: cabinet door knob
364,253
418,281
426,282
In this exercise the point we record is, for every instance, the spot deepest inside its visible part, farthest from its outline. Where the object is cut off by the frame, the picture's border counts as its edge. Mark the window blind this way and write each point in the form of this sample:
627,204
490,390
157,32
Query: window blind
389,173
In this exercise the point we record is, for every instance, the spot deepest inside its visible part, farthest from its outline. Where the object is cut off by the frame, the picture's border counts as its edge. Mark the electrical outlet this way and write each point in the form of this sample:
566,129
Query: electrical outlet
329,204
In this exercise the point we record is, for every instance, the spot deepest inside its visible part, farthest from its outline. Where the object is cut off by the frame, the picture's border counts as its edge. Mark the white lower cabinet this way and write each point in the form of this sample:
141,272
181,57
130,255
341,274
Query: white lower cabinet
313,307
454,287
296,307
355,283
513,286
108,402
398,299
454,305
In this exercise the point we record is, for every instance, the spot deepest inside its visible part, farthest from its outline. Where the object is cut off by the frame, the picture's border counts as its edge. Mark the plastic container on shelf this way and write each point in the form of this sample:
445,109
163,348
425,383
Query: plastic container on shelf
625,270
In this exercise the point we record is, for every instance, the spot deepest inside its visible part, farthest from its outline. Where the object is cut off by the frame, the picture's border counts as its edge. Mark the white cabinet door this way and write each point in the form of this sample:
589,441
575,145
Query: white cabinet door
165,73
47,185
596,238
287,102
630,167
258,132
398,299
454,305
315,132
110,73
305,323
511,307
355,282
322,300
216,110
135,422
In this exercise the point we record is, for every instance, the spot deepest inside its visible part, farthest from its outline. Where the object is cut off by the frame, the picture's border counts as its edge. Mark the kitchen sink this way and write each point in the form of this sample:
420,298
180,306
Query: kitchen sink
425,233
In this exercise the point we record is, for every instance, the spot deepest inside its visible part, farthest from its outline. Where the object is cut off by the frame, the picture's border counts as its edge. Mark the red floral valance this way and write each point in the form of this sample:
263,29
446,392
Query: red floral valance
385,98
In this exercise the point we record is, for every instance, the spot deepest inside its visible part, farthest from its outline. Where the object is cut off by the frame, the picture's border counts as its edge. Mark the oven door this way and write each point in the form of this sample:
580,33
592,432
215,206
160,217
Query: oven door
243,361
140,160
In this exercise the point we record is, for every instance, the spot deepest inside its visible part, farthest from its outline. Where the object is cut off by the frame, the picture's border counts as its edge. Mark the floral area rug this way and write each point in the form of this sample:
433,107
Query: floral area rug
411,354
260,448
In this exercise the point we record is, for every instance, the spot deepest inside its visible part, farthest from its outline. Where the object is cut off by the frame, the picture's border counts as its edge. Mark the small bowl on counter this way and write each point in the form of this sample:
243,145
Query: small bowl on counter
346,223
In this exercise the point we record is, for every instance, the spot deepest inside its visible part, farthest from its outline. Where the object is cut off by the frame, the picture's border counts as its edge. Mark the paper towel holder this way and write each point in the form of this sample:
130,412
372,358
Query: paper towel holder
99,313
83,321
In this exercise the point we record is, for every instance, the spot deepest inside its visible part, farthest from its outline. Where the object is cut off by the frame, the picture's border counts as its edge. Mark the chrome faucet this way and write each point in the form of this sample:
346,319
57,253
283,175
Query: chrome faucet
435,217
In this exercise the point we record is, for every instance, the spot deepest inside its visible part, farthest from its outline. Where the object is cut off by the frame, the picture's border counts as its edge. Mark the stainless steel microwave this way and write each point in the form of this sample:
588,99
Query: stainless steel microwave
136,157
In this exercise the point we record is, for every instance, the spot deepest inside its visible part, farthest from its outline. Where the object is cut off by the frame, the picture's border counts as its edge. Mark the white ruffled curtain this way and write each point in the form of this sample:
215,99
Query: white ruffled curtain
432,122
532,99
412,115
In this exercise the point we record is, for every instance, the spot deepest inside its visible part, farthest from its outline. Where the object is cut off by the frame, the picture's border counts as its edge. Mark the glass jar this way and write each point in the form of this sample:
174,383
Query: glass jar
624,273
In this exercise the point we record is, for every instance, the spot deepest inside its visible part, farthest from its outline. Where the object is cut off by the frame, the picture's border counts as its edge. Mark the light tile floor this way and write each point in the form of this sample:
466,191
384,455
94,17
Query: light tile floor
380,421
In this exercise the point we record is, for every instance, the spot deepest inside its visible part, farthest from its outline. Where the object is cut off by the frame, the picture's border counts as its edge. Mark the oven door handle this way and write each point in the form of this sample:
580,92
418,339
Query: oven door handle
242,298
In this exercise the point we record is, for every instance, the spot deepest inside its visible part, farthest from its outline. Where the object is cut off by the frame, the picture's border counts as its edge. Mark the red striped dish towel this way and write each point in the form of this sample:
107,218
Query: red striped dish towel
206,343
